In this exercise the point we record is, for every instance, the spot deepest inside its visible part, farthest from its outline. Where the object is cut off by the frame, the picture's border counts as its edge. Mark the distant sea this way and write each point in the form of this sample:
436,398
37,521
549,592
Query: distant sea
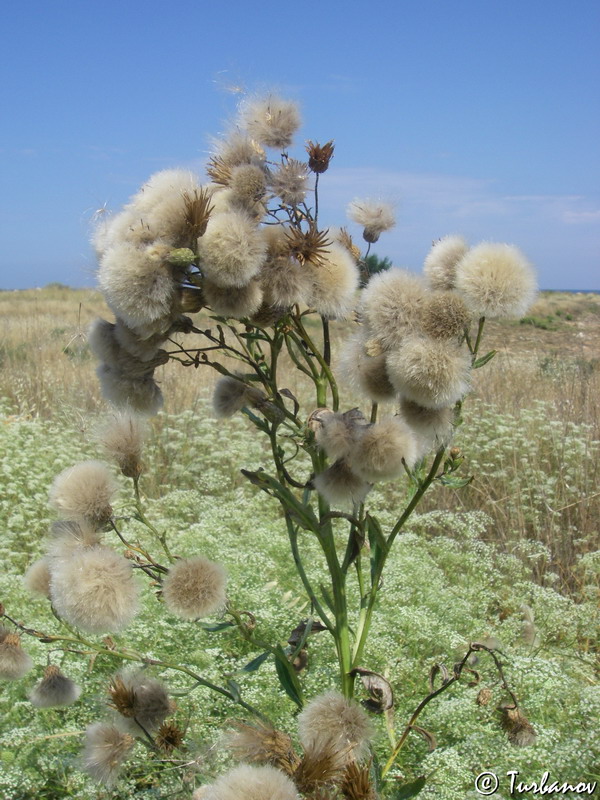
573,291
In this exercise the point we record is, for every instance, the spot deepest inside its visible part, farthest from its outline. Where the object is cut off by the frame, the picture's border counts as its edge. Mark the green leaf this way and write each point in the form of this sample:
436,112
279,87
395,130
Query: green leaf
480,362
215,626
287,677
454,482
260,423
379,545
410,789
253,665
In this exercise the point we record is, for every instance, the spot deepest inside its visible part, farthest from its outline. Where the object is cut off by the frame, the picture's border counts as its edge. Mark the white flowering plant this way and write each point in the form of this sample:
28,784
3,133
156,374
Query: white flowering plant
248,249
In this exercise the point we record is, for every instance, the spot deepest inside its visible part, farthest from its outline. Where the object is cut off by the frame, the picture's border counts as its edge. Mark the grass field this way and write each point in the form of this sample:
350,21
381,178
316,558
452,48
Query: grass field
524,533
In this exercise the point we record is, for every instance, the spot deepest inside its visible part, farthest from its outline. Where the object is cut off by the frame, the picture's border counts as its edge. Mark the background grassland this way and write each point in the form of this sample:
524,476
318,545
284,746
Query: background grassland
525,532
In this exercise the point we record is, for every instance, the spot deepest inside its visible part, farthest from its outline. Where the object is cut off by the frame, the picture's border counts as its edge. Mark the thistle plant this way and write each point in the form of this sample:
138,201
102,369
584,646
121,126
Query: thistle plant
247,249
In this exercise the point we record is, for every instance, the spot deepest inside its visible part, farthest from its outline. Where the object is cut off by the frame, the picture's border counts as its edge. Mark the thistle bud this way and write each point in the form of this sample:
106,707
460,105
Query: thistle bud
319,156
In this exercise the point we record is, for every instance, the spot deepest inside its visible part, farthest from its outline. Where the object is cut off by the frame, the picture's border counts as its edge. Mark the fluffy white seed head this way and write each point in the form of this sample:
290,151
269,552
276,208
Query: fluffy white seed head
162,204
232,250
271,121
126,226
139,285
337,433
233,301
340,486
433,427
231,395
37,578
140,348
238,148
374,216
440,263
142,395
84,491
382,449
431,372
248,185
391,305
105,750
496,280
70,536
194,587
289,182
251,783
445,315
55,689
142,701
95,590
364,372
14,661
334,283
332,721
122,438
283,280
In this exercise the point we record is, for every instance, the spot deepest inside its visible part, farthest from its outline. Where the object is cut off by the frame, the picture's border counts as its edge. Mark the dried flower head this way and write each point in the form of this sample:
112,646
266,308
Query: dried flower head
194,587
84,491
234,301
519,730
142,395
356,783
231,395
289,182
319,155
122,439
37,578
364,372
95,590
169,737
309,246
441,261
382,450
344,238
252,783
432,427
105,750
55,689
445,315
140,699
330,719
340,486
375,217
197,210
260,743
334,280
232,250
271,121
14,661
391,305
496,280
433,373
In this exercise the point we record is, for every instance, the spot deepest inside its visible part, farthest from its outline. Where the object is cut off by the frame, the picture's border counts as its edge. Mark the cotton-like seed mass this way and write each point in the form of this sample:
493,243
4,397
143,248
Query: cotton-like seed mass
332,721
105,750
391,305
232,250
367,374
55,689
194,587
431,372
252,783
283,280
70,536
140,286
231,395
440,263
271,121
496,280
233,301
95,590
289,182
238,148
334,283
84,491
14,661
340,486
445,316
163,203
122,438
433,427
37,578
126,226
103,342
131,343
248,186
337,433
140,700
381,450
374,216
141,395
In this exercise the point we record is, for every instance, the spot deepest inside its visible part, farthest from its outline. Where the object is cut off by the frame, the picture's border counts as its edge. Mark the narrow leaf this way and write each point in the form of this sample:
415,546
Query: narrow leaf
410,789
213,627
484,359
287,677
253,665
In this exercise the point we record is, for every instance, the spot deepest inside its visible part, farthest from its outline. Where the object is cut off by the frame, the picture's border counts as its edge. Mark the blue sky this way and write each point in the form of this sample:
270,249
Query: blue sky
478,117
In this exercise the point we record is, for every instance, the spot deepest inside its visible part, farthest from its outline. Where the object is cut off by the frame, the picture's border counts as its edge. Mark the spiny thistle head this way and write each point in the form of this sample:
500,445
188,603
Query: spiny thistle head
141,699
309,246
14,661
496,280
260,743
271,121
105,750
356,783
84,491
329,720
375,217
55,689
169,737
197,210
122,438
319,156
94,590
441,261
194,587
